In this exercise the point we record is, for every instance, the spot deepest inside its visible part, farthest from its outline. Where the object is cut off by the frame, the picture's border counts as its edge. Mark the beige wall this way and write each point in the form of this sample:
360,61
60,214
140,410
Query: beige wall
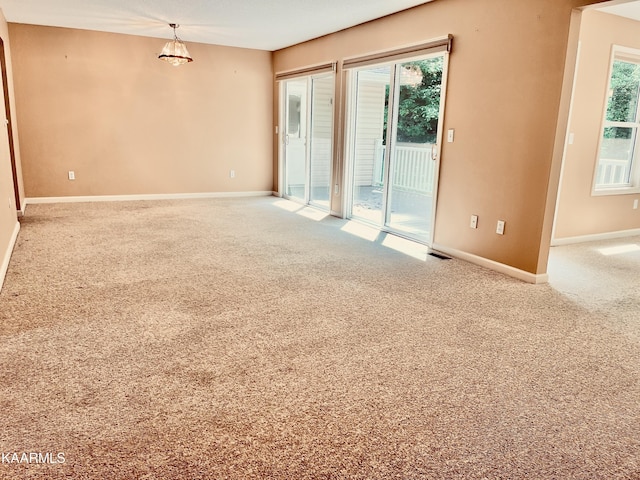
503,100
125,122
8,215
579,212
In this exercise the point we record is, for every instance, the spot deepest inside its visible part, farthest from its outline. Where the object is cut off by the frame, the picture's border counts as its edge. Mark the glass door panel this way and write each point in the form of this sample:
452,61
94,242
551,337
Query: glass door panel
321,135
295,139
369,143
412,179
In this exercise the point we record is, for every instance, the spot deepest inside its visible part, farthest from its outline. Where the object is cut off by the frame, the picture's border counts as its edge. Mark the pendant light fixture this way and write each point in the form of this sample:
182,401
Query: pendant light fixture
175,51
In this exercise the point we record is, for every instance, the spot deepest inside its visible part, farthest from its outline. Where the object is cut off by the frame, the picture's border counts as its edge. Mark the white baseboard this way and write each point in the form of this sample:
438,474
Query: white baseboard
556,242
4,266
152,196
492,265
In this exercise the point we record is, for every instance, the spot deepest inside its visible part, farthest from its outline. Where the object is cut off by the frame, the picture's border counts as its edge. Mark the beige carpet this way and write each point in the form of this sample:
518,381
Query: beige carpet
231,338
603,276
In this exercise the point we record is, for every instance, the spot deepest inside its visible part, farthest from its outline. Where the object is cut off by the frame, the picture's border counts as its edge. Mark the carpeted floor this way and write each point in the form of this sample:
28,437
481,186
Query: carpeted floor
233,338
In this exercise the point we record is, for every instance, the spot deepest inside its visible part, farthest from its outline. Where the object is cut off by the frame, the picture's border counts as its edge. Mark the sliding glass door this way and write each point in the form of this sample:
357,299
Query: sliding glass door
415,121
394,154
307,114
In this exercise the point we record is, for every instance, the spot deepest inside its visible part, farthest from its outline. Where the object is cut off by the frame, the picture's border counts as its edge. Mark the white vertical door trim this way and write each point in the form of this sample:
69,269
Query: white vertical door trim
392,132
348,150
439,139
282,92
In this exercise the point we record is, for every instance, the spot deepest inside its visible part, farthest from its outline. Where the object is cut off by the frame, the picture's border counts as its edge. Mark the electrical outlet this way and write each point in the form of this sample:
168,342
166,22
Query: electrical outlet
500,227
72,175
474,221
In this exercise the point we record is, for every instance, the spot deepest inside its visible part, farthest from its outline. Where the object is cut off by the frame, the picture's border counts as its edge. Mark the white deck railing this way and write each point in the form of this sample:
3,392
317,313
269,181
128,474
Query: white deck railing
612,173
413,171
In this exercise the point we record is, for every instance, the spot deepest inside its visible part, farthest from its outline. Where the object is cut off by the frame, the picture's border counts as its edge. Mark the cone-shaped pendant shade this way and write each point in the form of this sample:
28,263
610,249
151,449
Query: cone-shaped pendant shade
175,51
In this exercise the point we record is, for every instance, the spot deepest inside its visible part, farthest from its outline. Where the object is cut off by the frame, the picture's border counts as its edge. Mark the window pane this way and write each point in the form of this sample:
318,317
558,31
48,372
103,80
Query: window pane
623,92
321,131
293,124
616,154
617,143
370,143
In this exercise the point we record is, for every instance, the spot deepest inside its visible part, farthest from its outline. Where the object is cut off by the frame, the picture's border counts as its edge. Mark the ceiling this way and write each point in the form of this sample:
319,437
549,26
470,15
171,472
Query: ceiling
623,9
260,24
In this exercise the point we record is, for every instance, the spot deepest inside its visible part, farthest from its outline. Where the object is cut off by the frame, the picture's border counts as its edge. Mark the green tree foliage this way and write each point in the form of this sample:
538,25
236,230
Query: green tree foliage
623,100
419,105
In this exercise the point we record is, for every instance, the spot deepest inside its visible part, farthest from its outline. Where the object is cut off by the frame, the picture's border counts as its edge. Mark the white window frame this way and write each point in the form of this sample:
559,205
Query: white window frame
630,55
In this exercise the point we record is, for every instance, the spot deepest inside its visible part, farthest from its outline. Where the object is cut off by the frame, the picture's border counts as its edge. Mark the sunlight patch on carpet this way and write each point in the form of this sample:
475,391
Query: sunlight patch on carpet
362,231
312,213
619,249
402,245
288,205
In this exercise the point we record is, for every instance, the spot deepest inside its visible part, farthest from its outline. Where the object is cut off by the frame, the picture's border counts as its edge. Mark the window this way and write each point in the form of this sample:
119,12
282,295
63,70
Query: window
617,169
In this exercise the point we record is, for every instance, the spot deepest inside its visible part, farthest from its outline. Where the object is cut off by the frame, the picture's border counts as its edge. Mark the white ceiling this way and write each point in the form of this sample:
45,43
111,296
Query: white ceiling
260,24
629,9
